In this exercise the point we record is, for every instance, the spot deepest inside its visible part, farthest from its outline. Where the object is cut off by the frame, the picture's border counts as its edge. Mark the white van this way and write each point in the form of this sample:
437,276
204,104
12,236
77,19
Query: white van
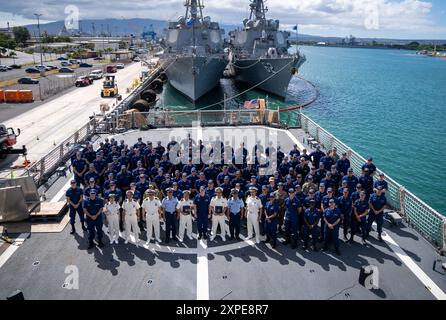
96,74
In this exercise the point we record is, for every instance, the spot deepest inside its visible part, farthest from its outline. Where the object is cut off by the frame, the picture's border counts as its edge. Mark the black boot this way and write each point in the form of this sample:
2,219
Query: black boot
274,243
199,236
90,245
84,227
337,251
100,244
73,229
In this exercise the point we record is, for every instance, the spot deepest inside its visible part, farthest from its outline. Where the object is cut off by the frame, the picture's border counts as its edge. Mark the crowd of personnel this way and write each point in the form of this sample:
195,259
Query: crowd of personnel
307,197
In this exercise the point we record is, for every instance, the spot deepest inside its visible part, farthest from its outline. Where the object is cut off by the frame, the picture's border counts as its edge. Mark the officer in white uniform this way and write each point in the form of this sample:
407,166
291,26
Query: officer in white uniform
111,210
253,209
185,210
151,213
219,210
130,209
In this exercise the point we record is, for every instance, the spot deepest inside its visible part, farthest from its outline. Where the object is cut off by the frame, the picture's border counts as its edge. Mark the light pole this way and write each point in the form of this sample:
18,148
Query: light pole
38,15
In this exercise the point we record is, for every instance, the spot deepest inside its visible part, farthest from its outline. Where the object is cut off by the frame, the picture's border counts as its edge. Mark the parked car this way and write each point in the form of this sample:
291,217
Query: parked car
86,65
83,81
98,58
27,81
32,70
62,59
3,69
15,66
65,64
74,61
96,74
51,67
66,70
43,68
137,59
120,66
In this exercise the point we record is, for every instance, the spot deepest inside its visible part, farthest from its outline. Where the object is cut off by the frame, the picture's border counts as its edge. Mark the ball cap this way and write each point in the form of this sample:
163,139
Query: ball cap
329,190
93,191
111,195
290,190
271,195
73,181
370,158
381,174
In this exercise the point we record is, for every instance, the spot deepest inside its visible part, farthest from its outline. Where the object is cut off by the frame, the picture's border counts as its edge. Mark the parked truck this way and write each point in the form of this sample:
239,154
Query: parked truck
8,139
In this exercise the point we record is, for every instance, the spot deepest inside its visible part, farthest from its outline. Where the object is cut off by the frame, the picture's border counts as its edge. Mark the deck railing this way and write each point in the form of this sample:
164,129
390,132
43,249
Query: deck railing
426,220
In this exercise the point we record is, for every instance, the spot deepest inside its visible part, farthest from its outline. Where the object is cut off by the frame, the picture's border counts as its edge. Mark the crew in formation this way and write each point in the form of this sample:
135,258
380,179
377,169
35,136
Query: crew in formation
307,198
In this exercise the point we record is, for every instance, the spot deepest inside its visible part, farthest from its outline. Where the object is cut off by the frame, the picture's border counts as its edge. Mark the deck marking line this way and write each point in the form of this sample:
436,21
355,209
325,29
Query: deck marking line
10,250
295,140
62,191
202,271
416,270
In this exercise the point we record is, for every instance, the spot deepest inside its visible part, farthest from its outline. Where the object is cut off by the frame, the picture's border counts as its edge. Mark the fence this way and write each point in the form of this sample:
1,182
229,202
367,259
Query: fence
430,223
42,169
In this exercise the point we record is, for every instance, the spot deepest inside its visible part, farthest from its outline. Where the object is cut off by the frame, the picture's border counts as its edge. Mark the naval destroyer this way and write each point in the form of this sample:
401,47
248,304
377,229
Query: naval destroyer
194,52
259,53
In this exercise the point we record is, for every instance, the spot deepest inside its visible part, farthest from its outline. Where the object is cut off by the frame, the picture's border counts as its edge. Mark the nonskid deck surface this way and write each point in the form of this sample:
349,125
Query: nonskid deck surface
43,267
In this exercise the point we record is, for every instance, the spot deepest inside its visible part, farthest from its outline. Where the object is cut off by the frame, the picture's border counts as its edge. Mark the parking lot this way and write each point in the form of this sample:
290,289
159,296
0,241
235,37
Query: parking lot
51,84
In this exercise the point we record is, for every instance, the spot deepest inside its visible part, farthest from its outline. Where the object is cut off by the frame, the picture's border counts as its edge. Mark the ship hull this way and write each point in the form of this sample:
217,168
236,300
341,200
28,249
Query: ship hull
255,72
195,76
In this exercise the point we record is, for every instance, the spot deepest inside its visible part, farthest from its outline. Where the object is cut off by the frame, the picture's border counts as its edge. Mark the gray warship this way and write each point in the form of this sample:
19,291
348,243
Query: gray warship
259,53
194,52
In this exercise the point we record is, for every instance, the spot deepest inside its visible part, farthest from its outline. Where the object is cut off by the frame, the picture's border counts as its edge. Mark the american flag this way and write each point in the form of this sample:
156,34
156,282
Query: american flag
253,104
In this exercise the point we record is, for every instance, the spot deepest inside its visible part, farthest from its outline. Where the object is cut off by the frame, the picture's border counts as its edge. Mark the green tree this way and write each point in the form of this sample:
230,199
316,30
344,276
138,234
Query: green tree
7,42
21,34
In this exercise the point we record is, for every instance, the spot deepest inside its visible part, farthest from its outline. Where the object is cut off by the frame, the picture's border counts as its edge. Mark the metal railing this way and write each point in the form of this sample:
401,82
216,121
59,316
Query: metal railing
426,220
168,118
46,166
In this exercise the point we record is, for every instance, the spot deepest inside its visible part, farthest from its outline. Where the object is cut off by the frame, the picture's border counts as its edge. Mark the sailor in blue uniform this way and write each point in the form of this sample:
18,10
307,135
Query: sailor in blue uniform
311,219
359,217
381,183
292,209
271,210
377,203
169,205
93,207
345,205
79,165
202,202
236,211
74,199
332,217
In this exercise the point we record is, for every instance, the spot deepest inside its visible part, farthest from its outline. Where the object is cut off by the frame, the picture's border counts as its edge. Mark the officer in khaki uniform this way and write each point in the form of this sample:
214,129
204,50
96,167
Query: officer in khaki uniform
185,210
130,209
280,196
219,210
151,212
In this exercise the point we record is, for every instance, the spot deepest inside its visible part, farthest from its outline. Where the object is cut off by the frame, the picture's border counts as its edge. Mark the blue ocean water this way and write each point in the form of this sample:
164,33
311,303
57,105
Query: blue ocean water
389,104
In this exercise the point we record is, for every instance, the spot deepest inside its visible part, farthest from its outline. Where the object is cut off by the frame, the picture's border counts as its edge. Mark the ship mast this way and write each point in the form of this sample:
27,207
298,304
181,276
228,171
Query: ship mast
194,14
258,10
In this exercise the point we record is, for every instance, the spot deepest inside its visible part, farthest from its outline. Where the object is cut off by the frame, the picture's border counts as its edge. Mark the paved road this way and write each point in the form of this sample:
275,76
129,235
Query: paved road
54,121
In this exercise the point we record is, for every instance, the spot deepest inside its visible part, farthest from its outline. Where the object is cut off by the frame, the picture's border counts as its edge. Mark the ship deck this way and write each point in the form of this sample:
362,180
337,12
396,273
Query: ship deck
215,269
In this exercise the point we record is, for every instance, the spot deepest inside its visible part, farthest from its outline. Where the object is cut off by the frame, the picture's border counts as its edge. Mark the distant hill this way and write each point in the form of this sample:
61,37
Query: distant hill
123,27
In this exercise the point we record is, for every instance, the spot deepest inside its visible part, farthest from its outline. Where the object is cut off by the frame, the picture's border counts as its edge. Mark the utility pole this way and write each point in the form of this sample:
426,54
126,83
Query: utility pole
38,15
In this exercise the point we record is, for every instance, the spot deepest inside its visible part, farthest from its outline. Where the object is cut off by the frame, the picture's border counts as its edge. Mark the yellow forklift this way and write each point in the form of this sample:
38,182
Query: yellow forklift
110,88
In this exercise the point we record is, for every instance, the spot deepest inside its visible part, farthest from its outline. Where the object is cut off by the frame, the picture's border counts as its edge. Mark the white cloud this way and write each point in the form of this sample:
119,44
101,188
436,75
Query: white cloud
395,16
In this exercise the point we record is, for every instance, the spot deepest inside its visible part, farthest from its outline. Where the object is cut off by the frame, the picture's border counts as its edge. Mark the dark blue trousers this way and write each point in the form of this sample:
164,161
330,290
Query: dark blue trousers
73,212
346,222
171,225
379,221
94,227
355,224
313,232
202,224
331,235
271,229
234,224
291,227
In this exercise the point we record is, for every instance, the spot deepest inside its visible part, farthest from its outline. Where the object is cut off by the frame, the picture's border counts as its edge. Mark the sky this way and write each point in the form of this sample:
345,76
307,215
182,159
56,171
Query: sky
402,19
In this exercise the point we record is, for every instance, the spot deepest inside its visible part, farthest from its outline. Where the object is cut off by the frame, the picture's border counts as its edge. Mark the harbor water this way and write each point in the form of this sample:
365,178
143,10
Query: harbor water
389,104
